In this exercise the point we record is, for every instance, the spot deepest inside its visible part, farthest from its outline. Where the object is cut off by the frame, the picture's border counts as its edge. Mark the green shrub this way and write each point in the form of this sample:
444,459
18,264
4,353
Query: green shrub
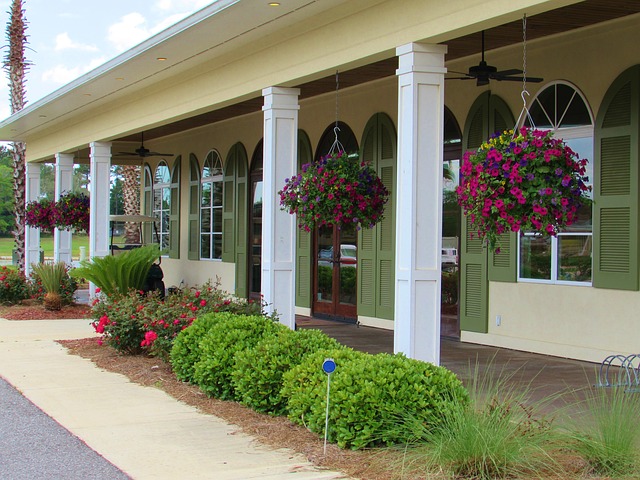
121,273
212,373
258,372
185,352
13,286
67,286
369,393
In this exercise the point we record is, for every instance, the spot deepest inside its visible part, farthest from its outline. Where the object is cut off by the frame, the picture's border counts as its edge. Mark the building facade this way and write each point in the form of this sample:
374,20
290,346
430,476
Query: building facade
247,93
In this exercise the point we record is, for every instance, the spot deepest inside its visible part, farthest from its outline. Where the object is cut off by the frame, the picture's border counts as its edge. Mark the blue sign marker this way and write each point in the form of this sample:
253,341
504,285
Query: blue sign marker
329,365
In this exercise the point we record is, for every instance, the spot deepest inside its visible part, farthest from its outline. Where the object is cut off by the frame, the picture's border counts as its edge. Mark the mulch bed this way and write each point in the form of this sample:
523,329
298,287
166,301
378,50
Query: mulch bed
31,310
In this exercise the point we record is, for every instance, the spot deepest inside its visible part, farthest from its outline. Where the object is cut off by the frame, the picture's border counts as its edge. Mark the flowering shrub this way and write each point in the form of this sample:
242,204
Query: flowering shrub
70,211
134,323
13,286
337,190
68,287
527,182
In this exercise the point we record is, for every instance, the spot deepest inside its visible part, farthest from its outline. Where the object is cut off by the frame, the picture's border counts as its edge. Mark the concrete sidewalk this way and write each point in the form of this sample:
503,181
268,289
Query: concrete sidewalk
141,430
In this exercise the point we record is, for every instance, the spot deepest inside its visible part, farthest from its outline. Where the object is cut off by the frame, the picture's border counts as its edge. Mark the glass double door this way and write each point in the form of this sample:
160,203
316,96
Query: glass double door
335,273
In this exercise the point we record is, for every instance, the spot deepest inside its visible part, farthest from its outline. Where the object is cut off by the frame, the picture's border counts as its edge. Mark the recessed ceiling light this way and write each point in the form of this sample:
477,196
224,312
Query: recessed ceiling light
42,116
120,78
161,59
87,94
274,4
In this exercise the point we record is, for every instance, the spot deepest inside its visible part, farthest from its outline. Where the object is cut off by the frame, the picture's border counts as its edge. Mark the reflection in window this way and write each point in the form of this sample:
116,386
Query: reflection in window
162,202
211,208
567,257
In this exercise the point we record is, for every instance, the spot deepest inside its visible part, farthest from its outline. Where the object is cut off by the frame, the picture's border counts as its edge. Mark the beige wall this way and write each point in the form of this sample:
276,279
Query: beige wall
566,321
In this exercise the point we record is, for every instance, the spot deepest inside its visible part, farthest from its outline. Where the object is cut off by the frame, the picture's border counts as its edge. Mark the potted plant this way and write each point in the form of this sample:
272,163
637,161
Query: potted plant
529,181
337,190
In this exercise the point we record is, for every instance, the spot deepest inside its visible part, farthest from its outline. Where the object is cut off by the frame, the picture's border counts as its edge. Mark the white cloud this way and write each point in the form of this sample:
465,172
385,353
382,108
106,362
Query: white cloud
61,74
64,42
129,31
164,4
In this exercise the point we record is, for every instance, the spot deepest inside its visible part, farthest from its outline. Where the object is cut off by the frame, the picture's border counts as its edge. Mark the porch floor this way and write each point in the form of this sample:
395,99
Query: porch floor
546,376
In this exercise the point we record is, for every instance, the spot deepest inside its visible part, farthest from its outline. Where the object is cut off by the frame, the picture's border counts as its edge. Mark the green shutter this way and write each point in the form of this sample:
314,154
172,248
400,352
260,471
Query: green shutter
376,246
303,239
228,209
386,229
367,239
194,208
174,212
616,180
147,207
502,266
238,155
487,115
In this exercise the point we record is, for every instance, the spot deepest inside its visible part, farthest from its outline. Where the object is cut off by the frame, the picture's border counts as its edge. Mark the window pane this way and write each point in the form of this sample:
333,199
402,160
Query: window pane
217,220
217,246
205,246
162,174
217,194
166,198
205,220
206,194
535,257
574,258
206,169
584,148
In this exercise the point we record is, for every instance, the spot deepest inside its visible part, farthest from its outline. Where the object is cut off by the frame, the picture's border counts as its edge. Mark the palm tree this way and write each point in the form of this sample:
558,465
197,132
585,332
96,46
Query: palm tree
16,65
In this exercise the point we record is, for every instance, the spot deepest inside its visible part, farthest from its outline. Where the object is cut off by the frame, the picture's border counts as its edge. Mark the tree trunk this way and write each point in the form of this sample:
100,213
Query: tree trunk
131,201
16,65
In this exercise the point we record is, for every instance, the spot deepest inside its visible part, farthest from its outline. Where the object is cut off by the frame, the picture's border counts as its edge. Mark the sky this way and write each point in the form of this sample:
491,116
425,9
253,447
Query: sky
68,38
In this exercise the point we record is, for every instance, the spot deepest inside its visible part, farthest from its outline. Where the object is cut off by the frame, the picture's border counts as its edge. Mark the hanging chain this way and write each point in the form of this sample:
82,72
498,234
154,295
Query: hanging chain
337,147
524,52
337,88
525,111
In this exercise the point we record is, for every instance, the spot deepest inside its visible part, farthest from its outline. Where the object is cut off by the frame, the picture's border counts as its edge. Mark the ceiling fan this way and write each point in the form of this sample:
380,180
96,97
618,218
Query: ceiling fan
484,72
142,152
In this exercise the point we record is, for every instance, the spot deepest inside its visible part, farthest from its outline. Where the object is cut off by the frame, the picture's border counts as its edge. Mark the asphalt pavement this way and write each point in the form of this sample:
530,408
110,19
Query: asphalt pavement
33,446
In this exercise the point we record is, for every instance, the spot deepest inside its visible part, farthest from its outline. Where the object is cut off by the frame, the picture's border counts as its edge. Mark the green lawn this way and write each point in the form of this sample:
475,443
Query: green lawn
46,244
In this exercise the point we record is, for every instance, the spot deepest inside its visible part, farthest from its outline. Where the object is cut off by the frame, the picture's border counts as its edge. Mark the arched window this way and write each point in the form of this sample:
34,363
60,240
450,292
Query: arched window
211,208
566,258
162,202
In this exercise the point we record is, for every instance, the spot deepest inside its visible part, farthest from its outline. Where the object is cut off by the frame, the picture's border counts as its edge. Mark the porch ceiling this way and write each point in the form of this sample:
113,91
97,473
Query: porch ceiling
579,15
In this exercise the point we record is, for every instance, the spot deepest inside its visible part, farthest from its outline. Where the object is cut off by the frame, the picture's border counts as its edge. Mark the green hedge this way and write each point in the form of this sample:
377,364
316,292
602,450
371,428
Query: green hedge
212,372
258,372
185,352
369,396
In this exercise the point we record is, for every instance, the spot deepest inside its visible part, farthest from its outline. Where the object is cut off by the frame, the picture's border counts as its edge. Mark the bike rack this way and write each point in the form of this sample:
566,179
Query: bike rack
620,371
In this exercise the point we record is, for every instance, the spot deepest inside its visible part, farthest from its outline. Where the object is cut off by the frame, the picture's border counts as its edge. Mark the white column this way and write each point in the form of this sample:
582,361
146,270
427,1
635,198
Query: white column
63,184
99,199
279,227
32,235
419,204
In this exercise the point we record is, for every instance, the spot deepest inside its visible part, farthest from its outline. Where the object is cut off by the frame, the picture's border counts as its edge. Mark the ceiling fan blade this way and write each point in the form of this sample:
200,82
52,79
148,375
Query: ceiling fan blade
158,154
510,72
460,78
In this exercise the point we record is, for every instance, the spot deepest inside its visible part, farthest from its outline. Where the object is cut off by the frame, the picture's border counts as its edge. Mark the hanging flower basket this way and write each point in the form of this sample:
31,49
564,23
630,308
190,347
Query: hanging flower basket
528,182
338,191
71,211
40,214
